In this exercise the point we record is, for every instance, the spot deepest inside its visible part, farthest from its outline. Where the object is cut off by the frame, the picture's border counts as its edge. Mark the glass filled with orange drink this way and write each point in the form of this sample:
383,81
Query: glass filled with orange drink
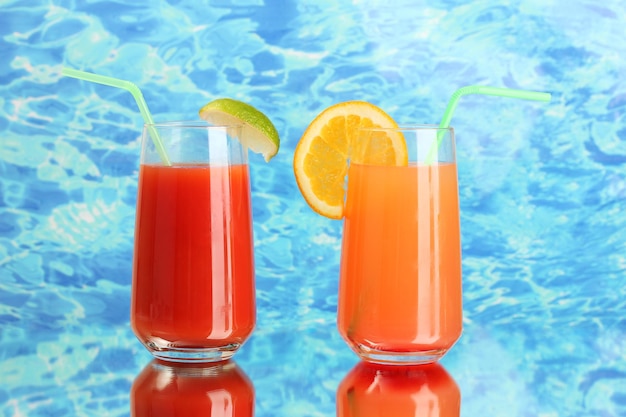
400,296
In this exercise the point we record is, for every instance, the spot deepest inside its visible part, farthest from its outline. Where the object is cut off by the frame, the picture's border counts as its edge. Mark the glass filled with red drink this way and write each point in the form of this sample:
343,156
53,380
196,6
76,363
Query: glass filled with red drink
193,295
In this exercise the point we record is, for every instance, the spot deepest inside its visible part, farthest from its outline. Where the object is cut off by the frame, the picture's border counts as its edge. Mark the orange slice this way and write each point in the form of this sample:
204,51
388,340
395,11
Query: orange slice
321,157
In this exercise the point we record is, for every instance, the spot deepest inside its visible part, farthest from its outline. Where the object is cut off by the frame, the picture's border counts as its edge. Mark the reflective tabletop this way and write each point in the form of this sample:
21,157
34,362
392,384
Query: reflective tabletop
310,371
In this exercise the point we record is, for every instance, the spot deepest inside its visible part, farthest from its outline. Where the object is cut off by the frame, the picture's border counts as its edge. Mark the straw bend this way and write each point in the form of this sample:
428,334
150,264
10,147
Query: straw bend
484,90
137,95
489,91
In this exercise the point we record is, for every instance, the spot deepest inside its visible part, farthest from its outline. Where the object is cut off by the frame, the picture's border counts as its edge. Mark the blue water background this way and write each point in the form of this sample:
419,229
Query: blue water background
542,188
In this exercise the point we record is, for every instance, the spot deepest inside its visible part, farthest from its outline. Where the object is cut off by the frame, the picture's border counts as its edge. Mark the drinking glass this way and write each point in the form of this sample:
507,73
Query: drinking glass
193,295
400,277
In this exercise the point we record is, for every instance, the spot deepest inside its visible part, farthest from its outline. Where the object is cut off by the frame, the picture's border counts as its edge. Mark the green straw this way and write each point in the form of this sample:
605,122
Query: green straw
134,90
484,90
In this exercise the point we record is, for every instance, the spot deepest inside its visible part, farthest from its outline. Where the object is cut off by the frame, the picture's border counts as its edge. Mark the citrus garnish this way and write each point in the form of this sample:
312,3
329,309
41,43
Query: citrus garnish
259,133
321,157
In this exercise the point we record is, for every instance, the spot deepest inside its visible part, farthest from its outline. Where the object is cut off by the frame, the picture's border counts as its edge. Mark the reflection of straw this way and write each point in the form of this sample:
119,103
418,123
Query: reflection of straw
134,90
478,89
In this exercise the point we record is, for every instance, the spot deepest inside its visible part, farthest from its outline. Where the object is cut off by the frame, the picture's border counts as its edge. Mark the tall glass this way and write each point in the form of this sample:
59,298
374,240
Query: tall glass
400,281
193,295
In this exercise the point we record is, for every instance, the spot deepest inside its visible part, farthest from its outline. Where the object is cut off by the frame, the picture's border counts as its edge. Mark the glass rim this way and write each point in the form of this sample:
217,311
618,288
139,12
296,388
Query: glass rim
191,124
408,128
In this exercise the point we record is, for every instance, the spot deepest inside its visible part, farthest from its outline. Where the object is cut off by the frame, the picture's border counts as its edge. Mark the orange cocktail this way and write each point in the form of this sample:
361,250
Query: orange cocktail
400,284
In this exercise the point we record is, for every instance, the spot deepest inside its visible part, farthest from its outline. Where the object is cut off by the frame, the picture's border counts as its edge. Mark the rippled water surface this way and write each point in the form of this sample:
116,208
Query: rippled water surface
542,188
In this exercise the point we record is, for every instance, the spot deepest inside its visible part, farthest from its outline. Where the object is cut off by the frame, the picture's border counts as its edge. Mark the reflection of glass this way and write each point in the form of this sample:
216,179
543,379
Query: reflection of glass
400,281
174,389
193,277
397,390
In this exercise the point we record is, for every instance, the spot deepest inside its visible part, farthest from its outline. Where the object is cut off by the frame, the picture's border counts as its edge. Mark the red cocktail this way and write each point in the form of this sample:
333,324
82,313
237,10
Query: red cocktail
193,295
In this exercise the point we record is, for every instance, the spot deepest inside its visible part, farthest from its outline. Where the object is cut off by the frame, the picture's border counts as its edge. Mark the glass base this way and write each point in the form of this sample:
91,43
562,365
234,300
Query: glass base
171,353
386,357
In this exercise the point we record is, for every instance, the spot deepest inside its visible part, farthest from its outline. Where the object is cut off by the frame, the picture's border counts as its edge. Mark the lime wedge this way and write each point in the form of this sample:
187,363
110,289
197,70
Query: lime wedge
259,133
